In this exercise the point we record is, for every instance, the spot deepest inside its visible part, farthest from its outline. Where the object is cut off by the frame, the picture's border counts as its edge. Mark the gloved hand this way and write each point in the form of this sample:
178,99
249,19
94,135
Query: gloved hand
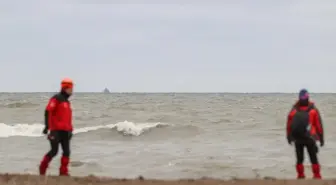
289,140
322,142
45,131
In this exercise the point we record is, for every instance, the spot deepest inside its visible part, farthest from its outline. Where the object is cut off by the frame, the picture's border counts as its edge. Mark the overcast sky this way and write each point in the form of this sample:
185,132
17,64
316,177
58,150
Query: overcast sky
197,46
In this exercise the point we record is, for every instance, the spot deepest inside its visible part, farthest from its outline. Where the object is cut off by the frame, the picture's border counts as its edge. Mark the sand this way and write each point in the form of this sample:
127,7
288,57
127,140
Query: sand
16,179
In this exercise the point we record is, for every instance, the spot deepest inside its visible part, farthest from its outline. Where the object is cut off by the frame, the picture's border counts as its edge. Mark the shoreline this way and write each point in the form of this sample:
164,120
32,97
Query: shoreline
29,179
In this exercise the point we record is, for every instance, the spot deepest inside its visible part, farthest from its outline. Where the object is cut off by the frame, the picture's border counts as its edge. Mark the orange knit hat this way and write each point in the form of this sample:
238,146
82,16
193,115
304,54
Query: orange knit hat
66,83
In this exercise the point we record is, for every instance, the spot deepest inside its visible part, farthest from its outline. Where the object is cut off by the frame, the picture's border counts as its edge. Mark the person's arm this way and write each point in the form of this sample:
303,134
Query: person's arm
48,112
319,126
288,125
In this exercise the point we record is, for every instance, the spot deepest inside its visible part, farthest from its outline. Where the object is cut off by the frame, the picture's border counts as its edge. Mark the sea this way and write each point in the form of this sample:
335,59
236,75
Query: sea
165,135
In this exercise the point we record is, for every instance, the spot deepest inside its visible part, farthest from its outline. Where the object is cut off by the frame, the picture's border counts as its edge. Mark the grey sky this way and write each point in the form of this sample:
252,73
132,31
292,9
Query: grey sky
222,46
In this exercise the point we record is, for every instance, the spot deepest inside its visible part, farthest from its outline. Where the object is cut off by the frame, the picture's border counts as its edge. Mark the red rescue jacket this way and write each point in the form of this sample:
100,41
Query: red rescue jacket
58,113
315,120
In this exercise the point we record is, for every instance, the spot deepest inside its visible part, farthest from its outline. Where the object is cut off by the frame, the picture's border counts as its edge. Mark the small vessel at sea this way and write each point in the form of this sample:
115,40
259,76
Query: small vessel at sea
106,90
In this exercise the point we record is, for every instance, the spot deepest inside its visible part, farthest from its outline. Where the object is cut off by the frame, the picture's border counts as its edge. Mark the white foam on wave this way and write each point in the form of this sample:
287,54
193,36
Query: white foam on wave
35,130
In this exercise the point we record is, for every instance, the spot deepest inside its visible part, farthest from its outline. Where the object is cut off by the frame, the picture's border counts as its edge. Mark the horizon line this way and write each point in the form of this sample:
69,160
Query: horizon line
153,92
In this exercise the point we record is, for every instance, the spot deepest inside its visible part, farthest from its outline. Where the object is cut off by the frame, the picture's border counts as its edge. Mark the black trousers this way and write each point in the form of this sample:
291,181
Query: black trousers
59,137
312,150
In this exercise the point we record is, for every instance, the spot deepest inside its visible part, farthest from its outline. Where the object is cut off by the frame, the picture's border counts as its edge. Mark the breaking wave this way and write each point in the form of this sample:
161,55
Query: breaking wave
34,130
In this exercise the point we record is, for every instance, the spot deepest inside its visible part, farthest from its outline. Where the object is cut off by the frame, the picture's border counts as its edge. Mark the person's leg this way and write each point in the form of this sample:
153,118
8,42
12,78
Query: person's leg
312,151
65,159
54,142
299,150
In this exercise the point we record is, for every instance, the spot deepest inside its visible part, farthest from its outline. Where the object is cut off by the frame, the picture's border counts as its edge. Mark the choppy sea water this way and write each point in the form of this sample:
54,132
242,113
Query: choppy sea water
165,135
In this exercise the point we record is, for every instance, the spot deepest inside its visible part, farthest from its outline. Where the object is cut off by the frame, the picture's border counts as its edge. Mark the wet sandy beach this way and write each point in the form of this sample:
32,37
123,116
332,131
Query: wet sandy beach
15,179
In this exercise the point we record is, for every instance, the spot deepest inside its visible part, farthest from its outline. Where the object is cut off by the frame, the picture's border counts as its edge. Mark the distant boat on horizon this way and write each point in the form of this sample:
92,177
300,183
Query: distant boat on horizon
106,90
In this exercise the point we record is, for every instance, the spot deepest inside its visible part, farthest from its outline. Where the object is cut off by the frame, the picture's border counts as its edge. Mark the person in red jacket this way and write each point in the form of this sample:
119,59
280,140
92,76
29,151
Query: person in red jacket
304,128
58,122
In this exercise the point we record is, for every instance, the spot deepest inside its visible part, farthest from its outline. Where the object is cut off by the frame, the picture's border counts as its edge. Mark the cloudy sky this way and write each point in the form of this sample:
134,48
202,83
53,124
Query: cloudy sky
189,46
